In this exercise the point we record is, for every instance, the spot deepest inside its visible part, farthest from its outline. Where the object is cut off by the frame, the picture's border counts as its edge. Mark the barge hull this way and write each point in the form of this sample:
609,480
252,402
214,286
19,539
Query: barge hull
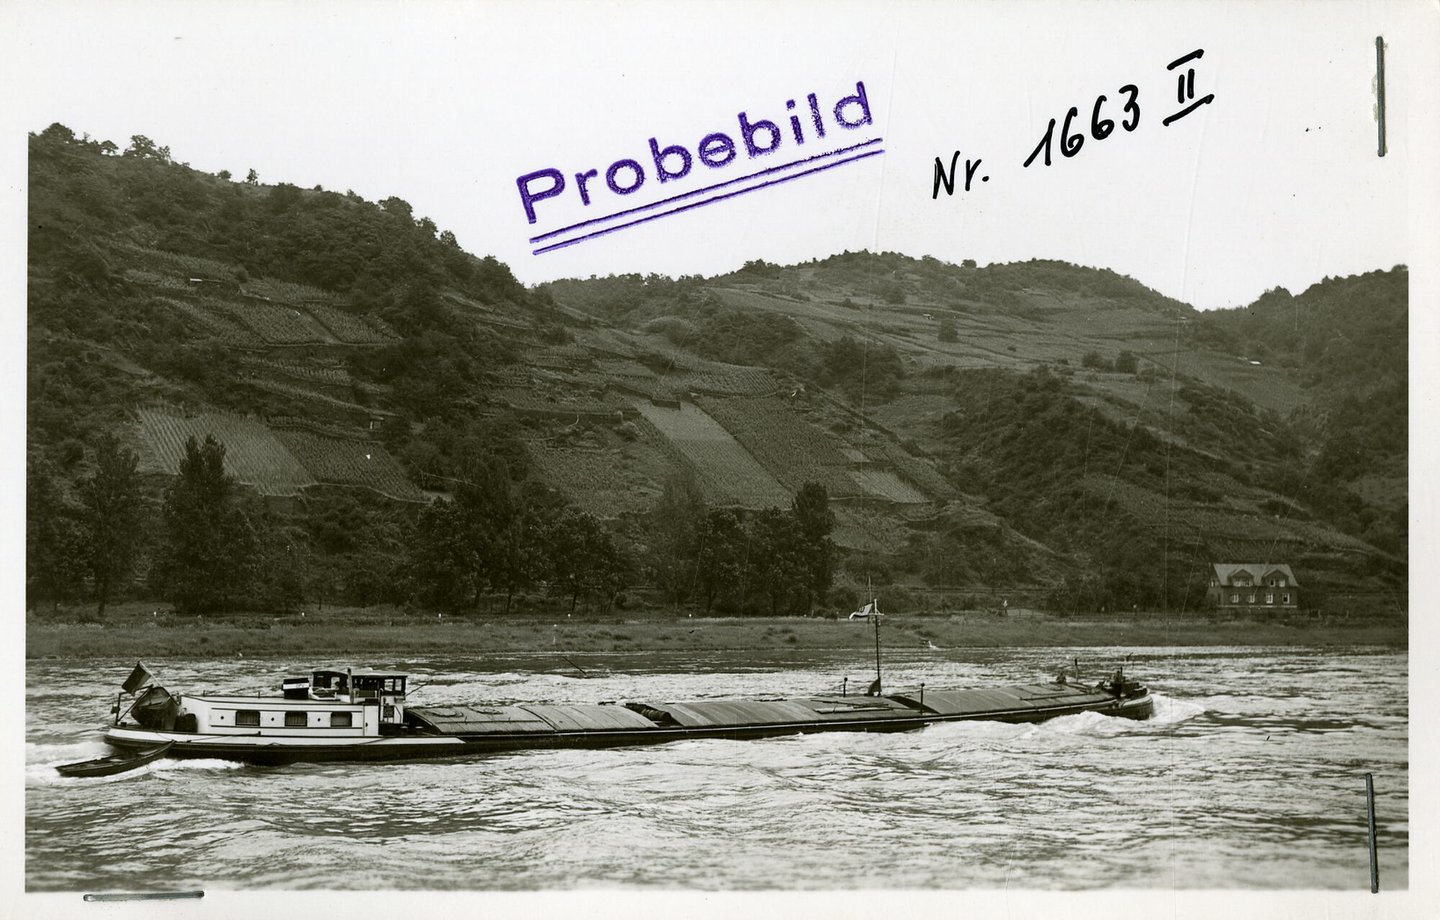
499,730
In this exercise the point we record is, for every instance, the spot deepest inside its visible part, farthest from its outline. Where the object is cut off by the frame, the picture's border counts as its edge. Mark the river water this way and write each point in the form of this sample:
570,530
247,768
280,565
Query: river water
1251,775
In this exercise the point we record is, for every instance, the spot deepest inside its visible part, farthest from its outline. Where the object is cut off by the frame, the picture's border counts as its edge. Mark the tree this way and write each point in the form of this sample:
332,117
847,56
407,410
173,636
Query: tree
815,521
210,545
442,567
462,547
112,519
1126,362
676,522
720,558
140,146
777,563
399,207
948,332
252,178
58,134
522,556
584,559
223,175
283,553
54,550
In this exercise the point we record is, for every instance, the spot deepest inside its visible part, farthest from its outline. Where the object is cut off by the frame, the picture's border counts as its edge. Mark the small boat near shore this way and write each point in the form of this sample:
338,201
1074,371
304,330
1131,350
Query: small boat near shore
350,714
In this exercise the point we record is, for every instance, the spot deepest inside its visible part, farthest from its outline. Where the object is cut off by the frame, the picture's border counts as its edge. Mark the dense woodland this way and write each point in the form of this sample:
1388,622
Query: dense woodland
1052,460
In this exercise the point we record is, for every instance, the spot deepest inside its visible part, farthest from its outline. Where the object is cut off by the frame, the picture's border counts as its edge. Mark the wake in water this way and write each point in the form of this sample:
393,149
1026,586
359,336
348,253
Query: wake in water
42,759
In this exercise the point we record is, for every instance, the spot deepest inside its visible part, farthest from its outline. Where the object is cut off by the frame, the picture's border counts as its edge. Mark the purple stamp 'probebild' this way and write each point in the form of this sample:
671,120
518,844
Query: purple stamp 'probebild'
717,150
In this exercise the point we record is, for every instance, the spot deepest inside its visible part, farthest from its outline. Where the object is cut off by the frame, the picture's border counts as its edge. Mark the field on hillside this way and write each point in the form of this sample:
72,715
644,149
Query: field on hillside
327,375
253,455
607,481
351,329
727,472
213,324
350,463
1231,530
884,484
1268,387
786,443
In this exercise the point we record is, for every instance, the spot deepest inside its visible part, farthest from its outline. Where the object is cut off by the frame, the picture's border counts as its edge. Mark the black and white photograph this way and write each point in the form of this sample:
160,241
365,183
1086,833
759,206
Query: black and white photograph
641,459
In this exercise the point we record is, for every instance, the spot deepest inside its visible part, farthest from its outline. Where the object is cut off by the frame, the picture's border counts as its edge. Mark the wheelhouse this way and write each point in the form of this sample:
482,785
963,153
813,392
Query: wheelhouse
383,689
352,686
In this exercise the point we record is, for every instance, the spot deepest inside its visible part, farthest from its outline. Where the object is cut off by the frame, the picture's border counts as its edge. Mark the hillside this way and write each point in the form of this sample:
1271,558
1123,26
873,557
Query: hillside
1036,430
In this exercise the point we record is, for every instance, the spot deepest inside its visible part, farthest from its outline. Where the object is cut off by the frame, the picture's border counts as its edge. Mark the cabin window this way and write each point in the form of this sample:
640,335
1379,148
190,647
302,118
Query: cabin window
340,720
295,720
247,717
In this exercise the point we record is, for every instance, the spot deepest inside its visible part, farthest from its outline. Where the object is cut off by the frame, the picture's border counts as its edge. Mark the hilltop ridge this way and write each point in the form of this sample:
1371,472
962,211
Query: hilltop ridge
1059,434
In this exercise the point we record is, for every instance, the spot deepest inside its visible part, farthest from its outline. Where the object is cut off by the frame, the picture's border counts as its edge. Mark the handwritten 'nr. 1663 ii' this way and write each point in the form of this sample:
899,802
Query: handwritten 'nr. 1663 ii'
1125,107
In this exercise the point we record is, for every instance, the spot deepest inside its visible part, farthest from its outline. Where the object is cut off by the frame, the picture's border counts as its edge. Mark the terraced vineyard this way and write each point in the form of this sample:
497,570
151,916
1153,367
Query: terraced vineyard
213,324
253,455
793,450
738,381
173,264
884,484
1233,532
322,374
918,473
728,474
350,463
602,482
265,311
530,401
296,391
351,329
287,292
276,324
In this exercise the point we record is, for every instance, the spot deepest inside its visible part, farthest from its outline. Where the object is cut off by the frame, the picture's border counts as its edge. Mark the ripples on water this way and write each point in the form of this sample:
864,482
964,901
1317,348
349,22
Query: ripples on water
1251,775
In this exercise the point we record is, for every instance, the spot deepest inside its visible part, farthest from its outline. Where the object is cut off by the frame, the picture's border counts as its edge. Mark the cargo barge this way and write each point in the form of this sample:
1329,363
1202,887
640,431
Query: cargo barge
363,715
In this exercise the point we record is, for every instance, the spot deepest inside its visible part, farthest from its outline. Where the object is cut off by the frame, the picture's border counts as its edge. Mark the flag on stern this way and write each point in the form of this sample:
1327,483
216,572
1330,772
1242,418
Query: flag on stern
140,677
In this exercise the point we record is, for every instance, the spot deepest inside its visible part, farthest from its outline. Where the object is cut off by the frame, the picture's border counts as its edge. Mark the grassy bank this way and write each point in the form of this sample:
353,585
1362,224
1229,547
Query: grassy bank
141,631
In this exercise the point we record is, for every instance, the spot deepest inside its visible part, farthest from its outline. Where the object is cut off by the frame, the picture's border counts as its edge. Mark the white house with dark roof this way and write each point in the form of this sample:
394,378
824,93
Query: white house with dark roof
1253,584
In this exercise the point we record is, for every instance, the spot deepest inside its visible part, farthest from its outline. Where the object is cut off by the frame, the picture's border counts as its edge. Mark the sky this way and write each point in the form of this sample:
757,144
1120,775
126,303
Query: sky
1275,181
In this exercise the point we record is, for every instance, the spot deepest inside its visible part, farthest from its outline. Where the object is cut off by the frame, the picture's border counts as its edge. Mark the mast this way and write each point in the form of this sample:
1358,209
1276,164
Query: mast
875,615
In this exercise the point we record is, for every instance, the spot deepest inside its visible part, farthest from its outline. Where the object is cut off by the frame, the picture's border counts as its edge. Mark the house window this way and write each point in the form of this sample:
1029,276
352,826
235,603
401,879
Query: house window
1251,599
1284,598
1269,598
340,720
247,717
1234,598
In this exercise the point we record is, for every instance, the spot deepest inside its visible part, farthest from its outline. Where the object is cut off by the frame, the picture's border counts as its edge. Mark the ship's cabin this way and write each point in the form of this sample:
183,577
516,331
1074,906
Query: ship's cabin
354,686
384,689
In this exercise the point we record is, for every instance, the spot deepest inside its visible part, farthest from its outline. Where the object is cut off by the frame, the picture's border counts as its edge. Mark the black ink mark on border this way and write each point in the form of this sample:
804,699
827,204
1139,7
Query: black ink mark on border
1380,88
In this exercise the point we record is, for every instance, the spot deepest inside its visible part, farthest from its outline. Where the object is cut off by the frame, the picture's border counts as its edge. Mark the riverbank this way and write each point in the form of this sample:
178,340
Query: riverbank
142,632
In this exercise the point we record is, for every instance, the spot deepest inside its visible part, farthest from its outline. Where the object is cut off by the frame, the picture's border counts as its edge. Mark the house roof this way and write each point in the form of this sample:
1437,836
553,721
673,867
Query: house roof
1258,570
